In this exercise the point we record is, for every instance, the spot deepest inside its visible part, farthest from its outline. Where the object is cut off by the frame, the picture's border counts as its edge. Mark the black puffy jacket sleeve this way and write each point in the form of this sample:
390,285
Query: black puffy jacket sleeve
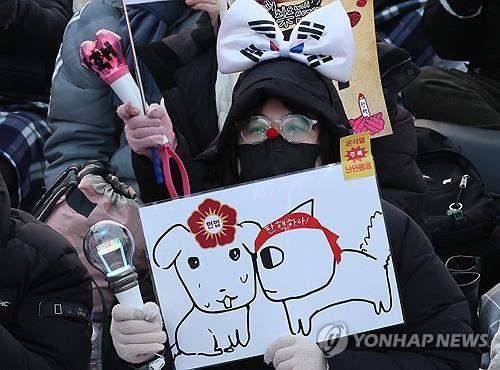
454,32
432,304
33,28
46,270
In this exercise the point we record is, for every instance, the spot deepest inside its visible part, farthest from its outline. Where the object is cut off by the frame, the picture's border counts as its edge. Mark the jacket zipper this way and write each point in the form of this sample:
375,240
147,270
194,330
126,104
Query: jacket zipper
455,208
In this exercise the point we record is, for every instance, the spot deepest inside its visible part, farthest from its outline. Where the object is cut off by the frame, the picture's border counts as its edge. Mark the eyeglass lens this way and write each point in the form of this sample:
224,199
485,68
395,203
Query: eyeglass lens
294,128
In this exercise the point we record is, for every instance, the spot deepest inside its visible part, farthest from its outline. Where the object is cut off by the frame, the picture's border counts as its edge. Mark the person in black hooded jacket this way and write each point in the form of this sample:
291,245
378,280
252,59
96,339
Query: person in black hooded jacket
432,302
31,33
463,30
45,296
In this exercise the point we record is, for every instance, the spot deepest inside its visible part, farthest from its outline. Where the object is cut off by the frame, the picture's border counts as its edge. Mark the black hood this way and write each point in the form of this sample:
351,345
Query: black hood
292,82
296,85
5,220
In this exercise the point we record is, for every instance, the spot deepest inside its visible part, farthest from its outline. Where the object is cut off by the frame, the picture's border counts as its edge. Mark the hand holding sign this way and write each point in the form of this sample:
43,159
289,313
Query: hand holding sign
295,352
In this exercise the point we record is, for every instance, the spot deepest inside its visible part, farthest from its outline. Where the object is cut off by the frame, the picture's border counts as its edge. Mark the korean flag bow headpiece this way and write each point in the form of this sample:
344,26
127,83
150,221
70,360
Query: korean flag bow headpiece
323,40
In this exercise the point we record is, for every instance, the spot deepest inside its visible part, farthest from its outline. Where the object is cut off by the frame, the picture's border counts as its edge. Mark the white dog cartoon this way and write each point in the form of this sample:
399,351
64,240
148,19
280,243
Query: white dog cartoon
219,316
306,277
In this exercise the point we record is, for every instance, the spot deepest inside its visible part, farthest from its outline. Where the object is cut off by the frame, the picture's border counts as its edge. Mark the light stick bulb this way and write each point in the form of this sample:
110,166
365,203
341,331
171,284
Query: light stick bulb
109,247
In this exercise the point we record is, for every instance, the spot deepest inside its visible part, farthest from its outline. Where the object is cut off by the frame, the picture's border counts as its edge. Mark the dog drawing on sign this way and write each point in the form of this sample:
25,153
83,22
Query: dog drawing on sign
221,284
300,264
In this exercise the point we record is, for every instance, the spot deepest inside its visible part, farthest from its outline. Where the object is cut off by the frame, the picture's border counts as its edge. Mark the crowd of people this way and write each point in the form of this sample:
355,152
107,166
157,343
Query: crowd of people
55,114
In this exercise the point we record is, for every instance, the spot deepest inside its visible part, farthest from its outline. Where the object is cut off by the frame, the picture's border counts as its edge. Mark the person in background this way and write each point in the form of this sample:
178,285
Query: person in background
82,107
460,30
399,22
30,34
45,296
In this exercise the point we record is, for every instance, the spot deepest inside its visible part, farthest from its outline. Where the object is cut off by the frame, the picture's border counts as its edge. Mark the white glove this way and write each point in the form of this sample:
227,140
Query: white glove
295,353
137,335
495,352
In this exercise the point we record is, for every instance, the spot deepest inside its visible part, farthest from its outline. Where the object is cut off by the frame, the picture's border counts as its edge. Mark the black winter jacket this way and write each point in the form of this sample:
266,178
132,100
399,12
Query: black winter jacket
400,179
30,34
432,302
45,296
469,34
184,66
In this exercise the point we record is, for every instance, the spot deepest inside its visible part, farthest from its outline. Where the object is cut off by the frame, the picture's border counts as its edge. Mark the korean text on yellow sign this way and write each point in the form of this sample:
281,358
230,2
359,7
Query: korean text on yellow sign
356,156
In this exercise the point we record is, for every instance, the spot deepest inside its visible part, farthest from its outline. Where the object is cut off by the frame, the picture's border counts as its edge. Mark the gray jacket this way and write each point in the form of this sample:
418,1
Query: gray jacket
82,111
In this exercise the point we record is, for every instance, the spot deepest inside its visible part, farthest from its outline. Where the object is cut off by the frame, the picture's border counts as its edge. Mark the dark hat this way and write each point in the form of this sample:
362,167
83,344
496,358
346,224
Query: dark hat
294,83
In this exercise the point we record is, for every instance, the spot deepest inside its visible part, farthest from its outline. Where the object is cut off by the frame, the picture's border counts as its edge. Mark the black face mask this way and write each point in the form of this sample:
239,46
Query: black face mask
275,157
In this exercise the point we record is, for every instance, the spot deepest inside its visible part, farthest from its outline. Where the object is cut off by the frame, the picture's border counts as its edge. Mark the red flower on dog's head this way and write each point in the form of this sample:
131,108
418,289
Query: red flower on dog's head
213,224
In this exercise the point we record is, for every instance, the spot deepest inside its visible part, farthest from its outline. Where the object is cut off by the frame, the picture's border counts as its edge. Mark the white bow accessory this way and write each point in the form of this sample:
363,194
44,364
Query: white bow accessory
323,40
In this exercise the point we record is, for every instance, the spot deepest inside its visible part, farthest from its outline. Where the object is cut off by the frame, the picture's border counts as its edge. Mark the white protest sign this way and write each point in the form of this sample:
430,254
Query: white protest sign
322,258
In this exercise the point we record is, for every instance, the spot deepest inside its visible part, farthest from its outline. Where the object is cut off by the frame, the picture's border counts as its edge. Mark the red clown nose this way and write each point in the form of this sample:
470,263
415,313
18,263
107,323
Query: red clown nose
272,133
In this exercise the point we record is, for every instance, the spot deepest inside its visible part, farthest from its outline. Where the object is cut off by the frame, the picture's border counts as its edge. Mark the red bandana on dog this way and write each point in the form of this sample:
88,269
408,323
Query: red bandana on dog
294,221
